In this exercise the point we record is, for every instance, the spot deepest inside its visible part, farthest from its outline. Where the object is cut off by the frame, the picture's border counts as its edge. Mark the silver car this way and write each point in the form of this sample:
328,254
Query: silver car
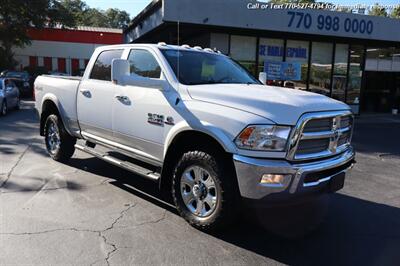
9,96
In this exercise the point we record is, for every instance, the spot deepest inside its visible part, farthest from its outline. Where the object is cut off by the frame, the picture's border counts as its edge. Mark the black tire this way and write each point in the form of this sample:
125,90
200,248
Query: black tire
4,109
66,147
224,180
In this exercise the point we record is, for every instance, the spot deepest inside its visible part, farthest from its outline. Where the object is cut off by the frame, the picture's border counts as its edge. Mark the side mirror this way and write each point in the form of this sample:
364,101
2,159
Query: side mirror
262,77
119,69
120,74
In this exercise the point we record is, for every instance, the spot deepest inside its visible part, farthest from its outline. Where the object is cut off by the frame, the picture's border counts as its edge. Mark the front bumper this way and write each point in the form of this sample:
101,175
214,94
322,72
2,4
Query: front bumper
303,179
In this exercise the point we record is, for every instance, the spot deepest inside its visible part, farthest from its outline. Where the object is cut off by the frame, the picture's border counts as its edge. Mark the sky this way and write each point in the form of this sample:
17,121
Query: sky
133,7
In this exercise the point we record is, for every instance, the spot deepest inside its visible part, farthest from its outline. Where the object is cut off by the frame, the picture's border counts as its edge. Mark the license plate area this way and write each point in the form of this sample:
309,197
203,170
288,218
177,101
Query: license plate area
337,182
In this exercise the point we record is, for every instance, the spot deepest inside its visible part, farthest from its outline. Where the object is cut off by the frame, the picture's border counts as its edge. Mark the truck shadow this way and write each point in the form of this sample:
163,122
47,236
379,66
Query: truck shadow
377,138
355,231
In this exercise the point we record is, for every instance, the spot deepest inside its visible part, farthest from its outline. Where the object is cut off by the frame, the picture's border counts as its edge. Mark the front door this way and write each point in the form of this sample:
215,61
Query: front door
95,98
136,109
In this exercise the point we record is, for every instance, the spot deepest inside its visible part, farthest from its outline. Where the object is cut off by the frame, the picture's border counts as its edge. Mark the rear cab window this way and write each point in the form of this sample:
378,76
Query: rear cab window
102,67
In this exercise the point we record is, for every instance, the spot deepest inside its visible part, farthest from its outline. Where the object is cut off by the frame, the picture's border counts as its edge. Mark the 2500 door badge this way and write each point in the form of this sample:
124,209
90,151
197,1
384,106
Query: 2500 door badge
157,119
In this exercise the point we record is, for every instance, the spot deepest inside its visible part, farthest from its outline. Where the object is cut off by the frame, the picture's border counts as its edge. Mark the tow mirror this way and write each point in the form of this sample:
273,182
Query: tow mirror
120,74
119,69
262,77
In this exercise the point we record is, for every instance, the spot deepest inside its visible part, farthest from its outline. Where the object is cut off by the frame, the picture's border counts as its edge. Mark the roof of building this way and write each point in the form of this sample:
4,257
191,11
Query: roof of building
98,29
240,15
144,13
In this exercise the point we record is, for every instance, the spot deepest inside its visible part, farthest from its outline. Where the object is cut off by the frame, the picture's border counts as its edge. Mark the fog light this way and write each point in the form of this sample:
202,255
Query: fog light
275,179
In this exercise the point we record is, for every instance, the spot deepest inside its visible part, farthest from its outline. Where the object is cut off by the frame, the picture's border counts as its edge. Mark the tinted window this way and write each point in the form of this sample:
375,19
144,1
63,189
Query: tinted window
144,64
102,68
194,68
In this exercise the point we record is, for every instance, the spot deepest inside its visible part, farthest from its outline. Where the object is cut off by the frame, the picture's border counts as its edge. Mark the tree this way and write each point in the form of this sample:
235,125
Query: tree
77,9
395,12
378,10
94,17
87,16
117,18
18,15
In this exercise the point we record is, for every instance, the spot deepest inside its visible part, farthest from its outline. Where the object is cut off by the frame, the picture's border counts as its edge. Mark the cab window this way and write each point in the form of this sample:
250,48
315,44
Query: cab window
102,67
144,64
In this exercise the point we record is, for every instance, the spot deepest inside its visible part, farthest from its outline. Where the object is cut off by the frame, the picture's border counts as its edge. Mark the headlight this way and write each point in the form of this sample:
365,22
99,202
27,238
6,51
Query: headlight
26,84
263,137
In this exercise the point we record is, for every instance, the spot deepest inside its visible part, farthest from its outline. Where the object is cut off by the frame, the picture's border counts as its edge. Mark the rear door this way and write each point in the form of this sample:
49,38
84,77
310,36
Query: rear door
96,96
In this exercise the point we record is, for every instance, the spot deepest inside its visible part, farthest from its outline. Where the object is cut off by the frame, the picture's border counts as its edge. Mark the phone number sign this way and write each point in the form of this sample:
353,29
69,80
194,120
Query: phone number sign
329,23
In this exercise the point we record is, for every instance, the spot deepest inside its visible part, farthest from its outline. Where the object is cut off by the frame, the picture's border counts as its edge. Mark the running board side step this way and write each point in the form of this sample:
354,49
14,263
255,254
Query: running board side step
123,164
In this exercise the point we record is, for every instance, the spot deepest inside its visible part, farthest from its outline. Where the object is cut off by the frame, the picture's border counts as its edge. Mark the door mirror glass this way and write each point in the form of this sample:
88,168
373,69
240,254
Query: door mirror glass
262,77
119,69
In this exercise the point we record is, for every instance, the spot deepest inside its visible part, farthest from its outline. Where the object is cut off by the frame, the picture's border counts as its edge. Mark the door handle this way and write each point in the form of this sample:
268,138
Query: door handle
123,99
86,93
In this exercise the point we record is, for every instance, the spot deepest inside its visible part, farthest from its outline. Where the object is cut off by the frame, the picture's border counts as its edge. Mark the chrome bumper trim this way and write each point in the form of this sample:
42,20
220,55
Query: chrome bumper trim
322,180
249,171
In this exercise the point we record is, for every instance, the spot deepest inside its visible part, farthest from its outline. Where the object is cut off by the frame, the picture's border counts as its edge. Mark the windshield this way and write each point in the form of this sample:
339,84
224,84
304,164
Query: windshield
206,68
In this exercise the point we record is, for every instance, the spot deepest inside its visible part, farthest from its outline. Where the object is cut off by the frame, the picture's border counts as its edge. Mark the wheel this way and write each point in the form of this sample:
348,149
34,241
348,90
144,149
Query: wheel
60,145
203,190
4,108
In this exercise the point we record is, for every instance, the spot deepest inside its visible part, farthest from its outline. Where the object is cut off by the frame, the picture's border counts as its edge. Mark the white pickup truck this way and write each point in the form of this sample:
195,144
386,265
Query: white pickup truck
199,125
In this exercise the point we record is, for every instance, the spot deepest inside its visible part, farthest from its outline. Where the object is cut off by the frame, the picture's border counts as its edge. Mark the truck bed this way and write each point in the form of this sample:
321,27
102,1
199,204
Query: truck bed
62,90
63,77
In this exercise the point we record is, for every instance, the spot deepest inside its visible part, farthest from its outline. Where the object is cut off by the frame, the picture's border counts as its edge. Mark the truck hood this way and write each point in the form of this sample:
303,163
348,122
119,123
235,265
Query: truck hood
281,105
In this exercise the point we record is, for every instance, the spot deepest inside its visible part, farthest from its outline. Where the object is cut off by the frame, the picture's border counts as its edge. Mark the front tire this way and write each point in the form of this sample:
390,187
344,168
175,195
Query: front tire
59,144
203,190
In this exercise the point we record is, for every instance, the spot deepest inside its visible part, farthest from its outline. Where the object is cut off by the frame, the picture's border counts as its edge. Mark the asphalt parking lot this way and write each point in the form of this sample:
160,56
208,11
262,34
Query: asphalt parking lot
91,213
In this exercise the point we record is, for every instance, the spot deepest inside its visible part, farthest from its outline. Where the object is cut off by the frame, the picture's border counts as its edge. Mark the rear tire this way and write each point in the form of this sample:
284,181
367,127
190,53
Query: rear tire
203,190
4,108
59,144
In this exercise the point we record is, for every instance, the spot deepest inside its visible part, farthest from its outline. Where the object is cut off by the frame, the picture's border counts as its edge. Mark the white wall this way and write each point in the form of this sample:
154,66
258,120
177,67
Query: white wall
67,50
57,49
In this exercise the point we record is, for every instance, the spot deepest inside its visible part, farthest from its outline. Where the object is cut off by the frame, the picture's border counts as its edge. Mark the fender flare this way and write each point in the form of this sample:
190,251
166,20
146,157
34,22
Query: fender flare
51,97
204,127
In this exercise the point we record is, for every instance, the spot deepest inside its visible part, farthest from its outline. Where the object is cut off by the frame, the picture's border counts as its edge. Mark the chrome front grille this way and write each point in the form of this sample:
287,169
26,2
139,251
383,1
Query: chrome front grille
320,135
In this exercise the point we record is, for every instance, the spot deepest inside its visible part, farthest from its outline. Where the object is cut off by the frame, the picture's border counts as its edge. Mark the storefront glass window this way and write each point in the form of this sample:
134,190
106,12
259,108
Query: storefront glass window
340,72
355,75
269,50
382,59
297,52
321,67
243,50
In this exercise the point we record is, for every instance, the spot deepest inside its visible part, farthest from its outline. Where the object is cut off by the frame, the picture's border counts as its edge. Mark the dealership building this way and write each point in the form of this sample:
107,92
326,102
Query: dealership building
350,57
63,50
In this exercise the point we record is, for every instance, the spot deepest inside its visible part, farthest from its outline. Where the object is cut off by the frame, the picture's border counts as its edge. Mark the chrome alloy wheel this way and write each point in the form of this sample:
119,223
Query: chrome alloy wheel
198,191
53,138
